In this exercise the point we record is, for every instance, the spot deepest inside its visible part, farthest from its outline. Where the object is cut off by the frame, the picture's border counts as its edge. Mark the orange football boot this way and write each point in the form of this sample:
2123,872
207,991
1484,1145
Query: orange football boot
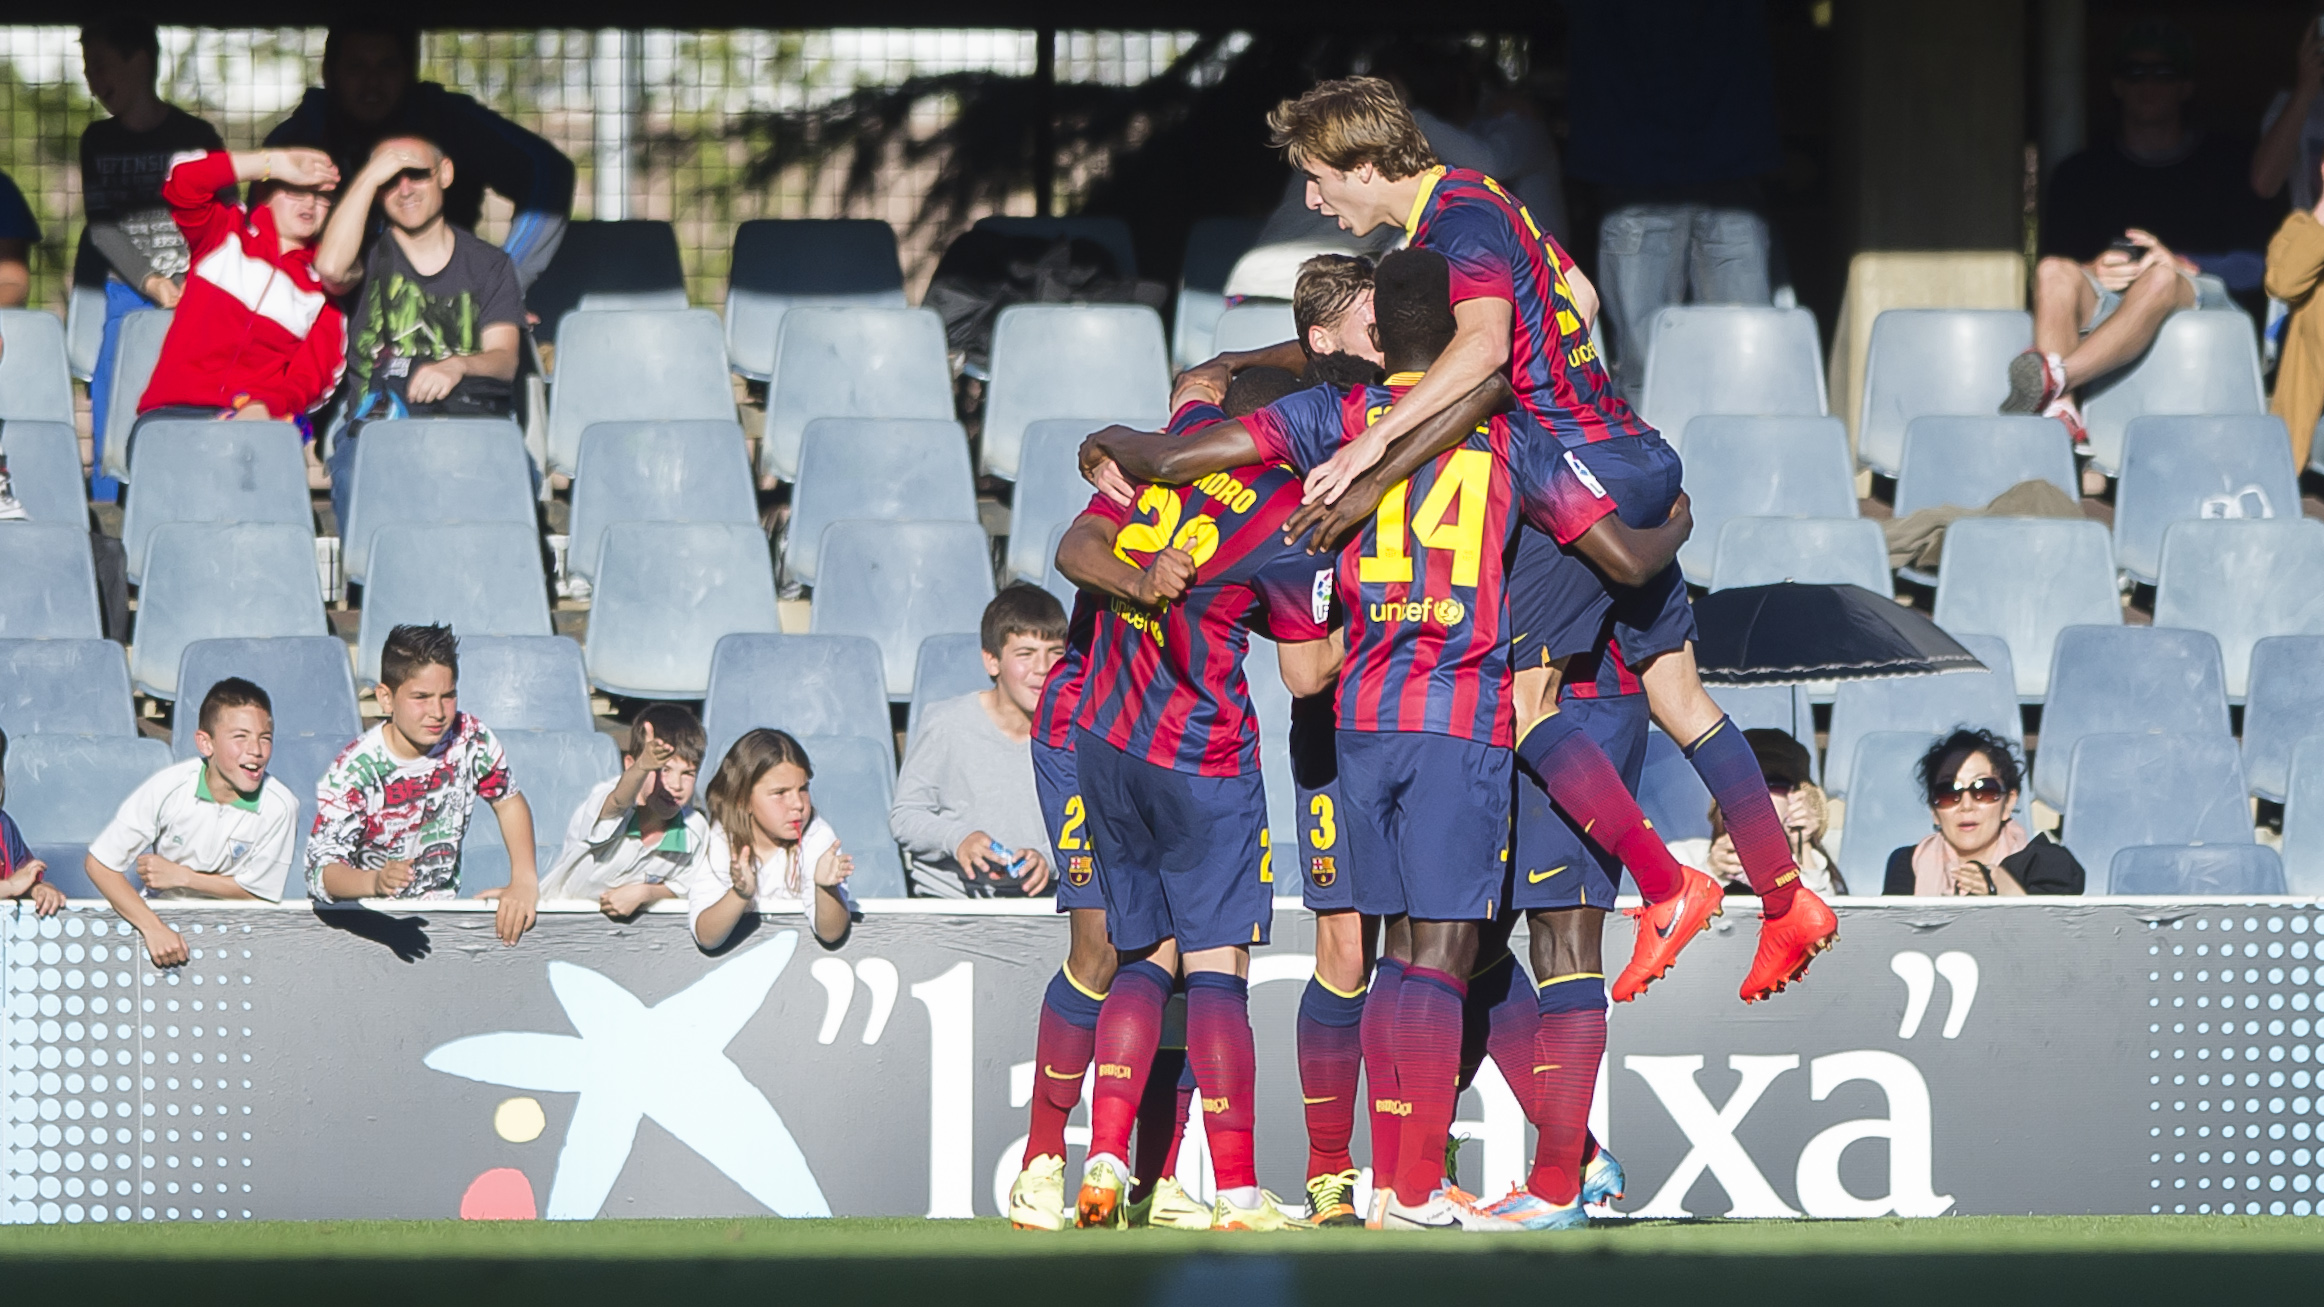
1788,943
1666,927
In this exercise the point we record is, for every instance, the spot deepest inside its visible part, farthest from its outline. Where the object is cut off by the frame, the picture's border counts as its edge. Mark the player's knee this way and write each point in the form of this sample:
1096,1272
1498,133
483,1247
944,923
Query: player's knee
1339,951
1566,942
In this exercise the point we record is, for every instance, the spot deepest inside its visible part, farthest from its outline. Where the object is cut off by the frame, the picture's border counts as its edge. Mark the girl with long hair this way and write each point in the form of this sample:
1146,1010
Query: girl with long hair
768,851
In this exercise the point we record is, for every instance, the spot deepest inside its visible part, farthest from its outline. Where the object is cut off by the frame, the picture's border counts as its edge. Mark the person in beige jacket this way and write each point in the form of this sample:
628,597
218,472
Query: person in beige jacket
2294,272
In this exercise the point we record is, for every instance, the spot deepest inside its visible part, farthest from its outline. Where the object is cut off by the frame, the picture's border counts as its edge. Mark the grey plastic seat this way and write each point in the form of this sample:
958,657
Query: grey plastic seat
299,762
2243,582
2179,468
1059,360
1111,233
676,471
875,469
48,583
950,665
63,789
648,365
1762,467
2202,361
1785,708
84,329
1929,362
482,578
1671,795
852,363
2197,870
555,771
1979,700
2284,707
44,462
134,356
1254,324
899,583
853,789
1212,246
2025,579
524,682
1050,491
2135,789
2303,847
1053,580
2112,679
1809,550
666,593
211,581
305,677
1730,358
434,470
202,471
1887,808
633,262
36,383
669,297
785,264
802,684
1969,461
65,687
1271,704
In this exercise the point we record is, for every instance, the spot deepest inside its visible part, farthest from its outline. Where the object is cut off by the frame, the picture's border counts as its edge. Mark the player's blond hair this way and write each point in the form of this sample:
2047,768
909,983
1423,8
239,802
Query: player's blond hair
1349,122
1329,285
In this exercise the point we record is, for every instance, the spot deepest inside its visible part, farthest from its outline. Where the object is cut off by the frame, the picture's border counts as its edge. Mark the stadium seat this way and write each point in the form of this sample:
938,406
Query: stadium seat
1253,324
63,789
65,687
2242,582
434,470
1809,550
1733,359
2025,579
1785,708
1930,362
2112,679
666,593
2203,361
1887,808
1271,703
1053,580
299,762
212,581
2196,870
680,471
203,471
1212,247
2303,846
649,365
44,461
36,383
554,770
1112,234
481,578
306,677
1762,467
875,469
1969,461
1671,795
632,262
1986,700
2180,468
2284,707
524,682
2151,788
802,684
1063,360
854,787
899,583
852,363
785,264
950,665
1050,492
84,329
48,583
134,355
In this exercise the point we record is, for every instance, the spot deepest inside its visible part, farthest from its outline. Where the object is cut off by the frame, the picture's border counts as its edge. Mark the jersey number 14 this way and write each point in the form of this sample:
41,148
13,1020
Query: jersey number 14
1451,517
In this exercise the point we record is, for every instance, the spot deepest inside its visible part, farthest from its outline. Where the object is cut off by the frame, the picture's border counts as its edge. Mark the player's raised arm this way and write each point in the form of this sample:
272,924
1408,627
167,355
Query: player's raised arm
1163,459
1217,372
1085,554
1479,349
1333,521
1630,556
1311,667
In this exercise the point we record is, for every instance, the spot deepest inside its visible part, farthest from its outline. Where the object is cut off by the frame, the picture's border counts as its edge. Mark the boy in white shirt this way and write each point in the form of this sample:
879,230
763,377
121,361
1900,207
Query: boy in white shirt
636,838
216,826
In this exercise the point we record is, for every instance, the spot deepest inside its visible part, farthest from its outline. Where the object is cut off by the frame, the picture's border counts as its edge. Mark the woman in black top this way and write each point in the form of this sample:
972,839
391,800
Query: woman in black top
1971,779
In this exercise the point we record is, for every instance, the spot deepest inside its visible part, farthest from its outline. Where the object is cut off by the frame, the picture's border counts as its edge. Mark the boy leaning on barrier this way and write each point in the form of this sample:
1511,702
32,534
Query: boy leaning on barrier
22,876
637,837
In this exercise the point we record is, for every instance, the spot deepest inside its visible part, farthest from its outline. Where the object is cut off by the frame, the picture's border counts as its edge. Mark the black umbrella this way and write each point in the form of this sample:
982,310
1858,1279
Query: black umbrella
1784,634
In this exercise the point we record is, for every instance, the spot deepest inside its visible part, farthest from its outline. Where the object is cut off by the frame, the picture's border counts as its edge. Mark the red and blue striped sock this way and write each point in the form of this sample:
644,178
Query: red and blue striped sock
1383,1089
1226,1070
1161,1122
1502,997
1129,1029
1331,1051
1723,758
1569,1043
1582,781
1428,1061
1060,1060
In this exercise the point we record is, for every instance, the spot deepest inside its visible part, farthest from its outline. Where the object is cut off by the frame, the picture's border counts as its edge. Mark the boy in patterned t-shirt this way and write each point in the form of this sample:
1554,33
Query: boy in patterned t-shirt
392,810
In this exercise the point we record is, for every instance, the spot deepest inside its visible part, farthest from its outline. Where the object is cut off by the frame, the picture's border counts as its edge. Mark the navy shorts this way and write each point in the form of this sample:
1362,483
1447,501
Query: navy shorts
1179,856
1068,822
1426,821
1560,606
1323,845
1552,864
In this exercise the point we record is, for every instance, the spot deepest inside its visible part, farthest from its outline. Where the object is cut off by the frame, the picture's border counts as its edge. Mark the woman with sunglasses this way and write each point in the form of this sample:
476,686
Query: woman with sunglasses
1971,779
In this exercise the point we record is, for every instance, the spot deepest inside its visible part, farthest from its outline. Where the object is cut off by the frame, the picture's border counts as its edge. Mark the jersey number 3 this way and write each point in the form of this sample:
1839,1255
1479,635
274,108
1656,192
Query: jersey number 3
1451,517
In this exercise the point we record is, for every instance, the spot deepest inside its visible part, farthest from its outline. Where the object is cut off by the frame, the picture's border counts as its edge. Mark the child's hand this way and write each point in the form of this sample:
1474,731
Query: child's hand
653,753
46,899
159,872
744,875
516,914
391,878
166,947
624,900
834,867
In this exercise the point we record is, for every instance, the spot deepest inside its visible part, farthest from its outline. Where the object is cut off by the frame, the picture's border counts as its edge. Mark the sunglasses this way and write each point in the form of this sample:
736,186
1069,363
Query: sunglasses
1983,790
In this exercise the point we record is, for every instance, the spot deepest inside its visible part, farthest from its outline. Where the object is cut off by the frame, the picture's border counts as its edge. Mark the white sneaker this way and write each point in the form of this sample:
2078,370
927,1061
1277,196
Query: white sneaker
1442,1212
1037,1199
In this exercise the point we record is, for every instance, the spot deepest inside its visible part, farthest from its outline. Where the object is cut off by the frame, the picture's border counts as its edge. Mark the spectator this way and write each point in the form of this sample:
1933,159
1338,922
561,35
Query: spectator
1799,803
124,161
256,335
212,827
371,92
638,837
1972,778
19,232
2295,270
436,329
768,851
965,807
22,876
392,809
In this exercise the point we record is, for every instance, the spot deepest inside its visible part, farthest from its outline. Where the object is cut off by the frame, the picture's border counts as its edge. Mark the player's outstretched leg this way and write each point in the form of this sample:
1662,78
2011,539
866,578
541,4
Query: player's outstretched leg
1330,1056
1129,1030
1069,1013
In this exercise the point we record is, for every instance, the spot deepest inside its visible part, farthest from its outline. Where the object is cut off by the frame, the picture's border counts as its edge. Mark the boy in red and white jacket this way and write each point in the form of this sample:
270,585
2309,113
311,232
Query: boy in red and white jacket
256,334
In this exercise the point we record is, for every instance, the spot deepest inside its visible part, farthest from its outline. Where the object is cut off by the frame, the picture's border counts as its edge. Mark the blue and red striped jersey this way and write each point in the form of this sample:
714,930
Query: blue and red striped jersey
1602,673
1496,251
1166,684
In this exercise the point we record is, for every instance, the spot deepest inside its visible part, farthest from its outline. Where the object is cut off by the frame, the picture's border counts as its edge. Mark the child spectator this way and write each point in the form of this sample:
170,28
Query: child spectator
21,874
392,810
768,851
637,837
212,827
967,781
19,232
